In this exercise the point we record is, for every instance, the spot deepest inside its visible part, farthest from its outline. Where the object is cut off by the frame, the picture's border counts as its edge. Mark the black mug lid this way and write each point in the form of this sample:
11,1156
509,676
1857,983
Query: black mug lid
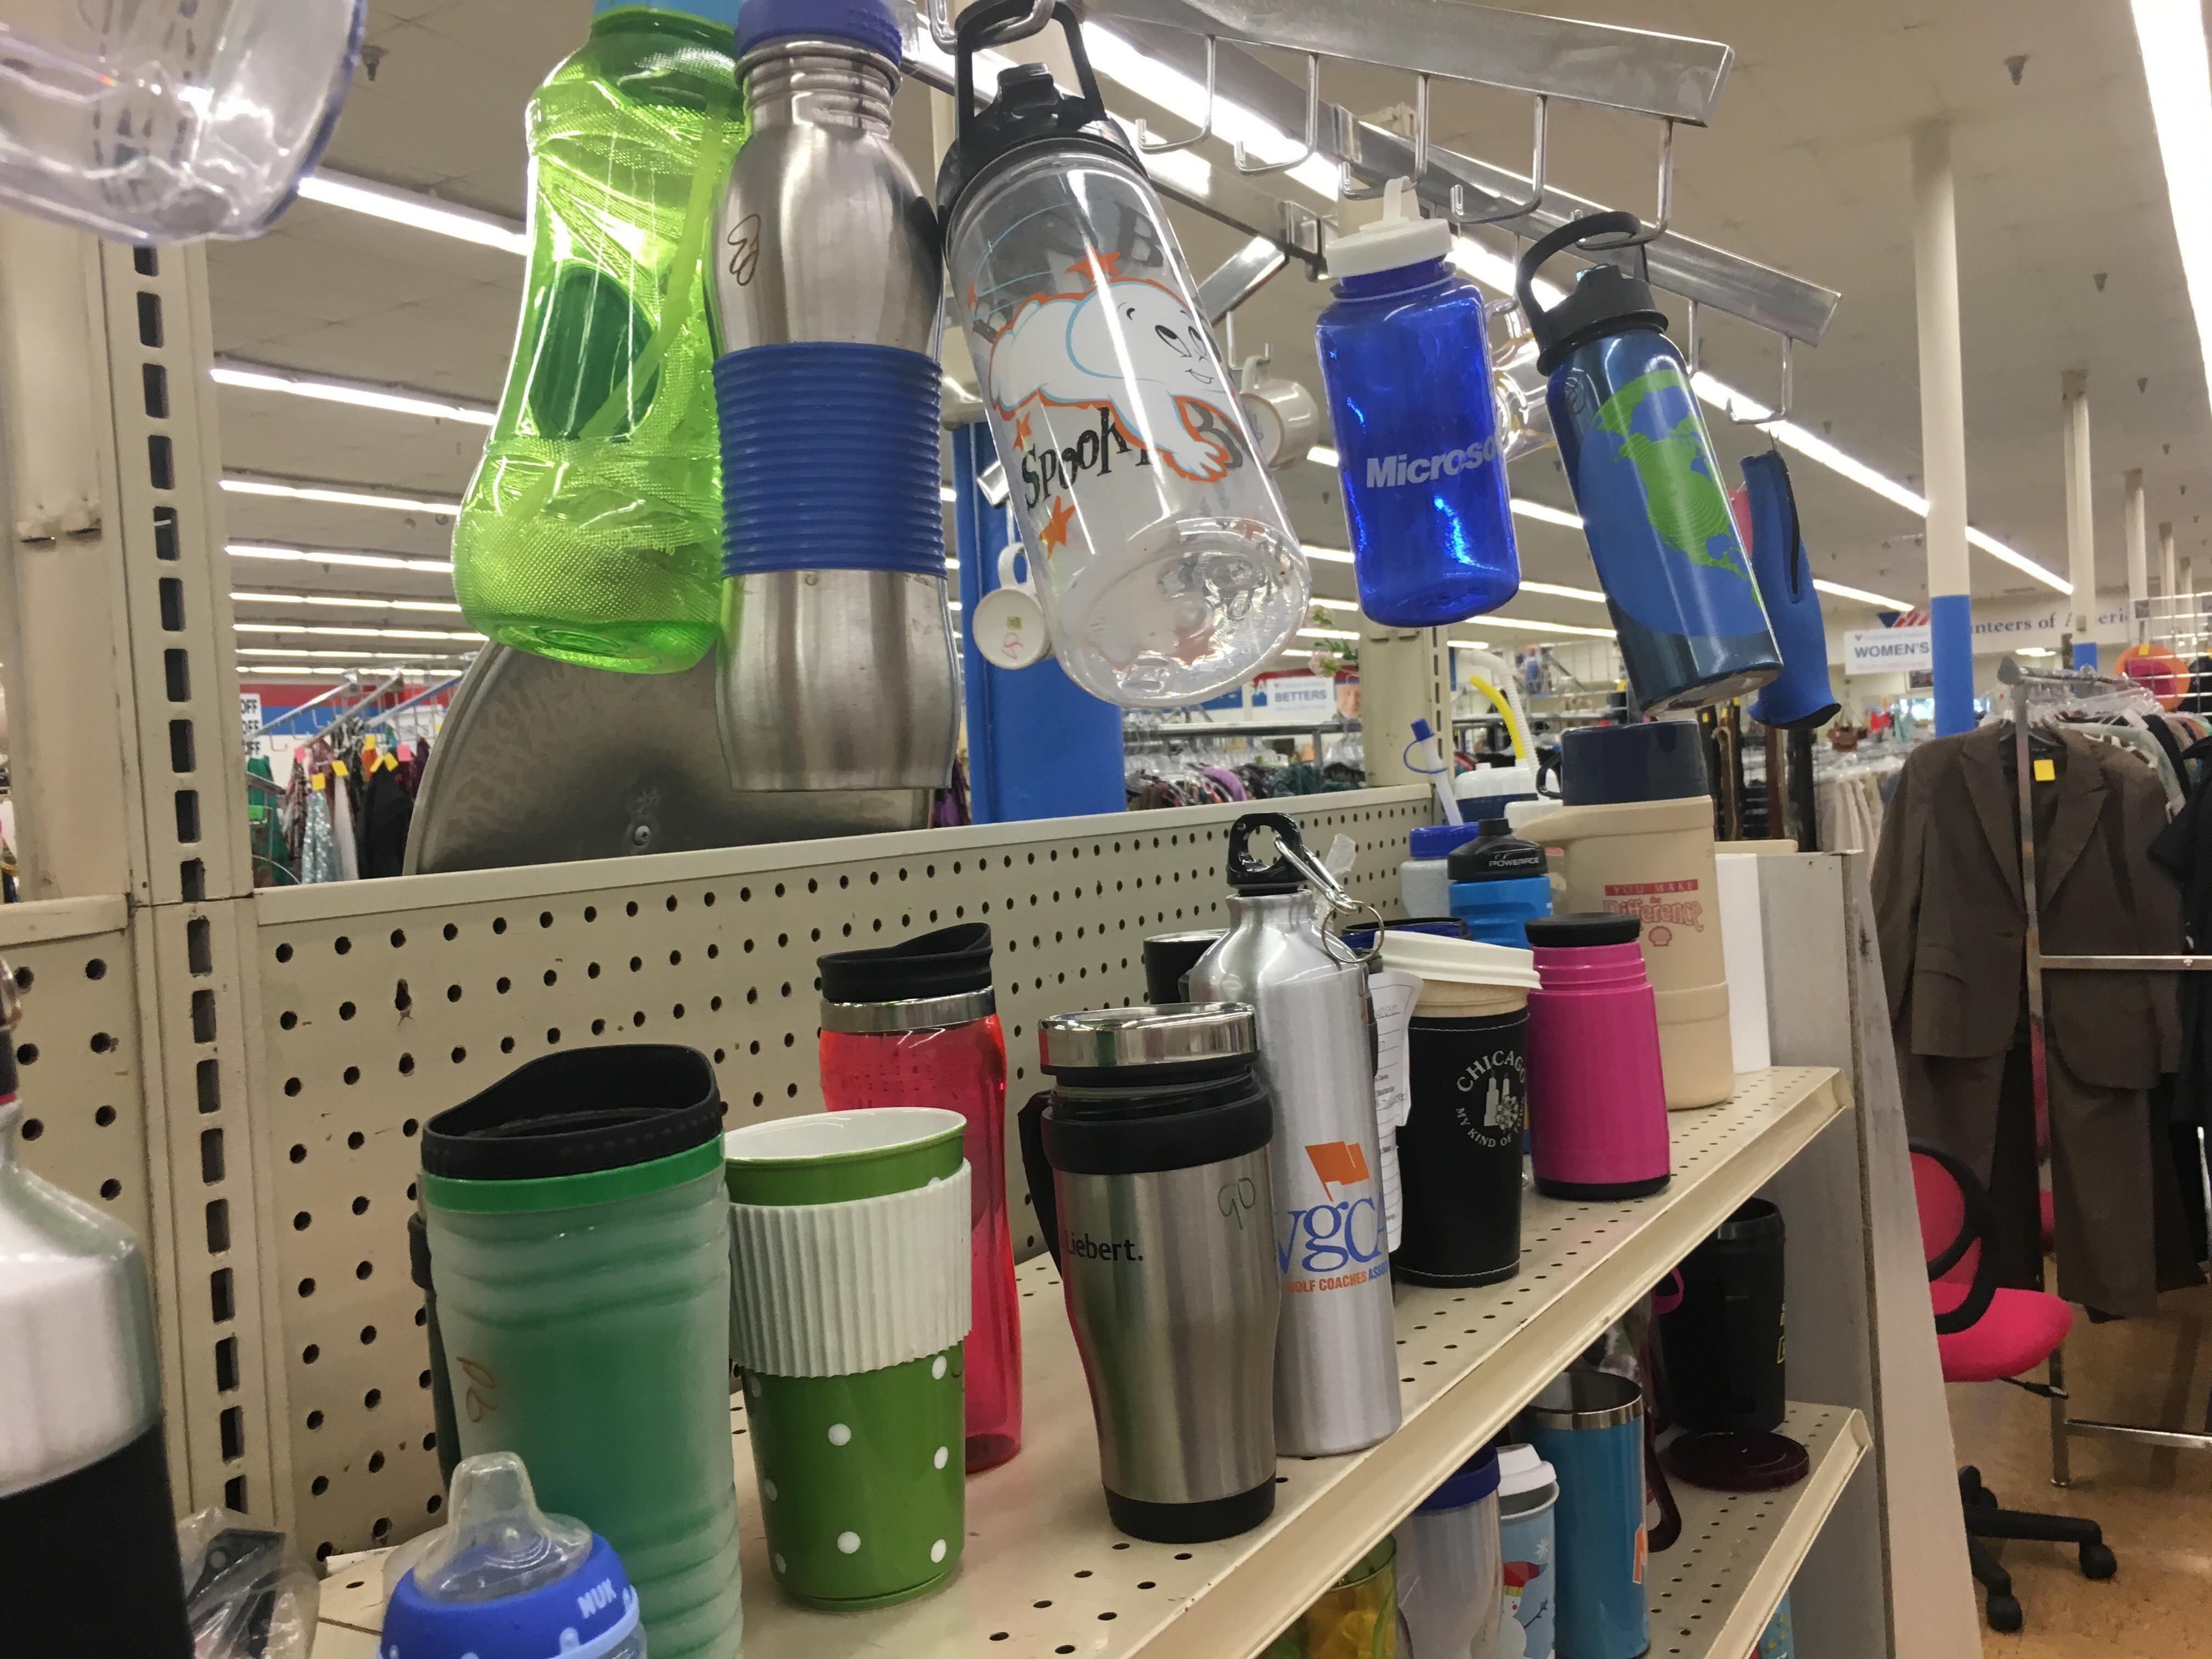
578,1112
1604,300
943,963
1756,1218
1579,929
1652,760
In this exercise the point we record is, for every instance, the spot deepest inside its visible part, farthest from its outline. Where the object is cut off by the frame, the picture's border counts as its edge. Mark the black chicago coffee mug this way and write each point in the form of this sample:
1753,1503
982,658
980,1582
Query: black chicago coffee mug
1458,1152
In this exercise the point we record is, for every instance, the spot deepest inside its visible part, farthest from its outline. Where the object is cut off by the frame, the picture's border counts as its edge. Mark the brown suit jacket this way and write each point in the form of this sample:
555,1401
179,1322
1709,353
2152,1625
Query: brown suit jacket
1952,935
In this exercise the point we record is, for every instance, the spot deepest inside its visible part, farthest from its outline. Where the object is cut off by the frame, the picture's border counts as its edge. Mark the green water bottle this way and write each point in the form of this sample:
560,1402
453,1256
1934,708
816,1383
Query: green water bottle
592,529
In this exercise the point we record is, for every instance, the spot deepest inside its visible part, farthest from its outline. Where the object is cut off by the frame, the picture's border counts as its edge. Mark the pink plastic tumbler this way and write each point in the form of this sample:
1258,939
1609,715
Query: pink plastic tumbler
915,1025
1597,1102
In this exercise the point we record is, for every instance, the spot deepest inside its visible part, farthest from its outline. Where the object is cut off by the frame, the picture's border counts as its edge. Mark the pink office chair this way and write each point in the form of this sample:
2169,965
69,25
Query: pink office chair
1986,1335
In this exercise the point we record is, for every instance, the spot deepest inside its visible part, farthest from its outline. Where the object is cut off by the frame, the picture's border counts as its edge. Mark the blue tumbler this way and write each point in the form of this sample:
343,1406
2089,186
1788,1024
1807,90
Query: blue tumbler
1589,1426
1801,695
1499,882
1405,355
1684,603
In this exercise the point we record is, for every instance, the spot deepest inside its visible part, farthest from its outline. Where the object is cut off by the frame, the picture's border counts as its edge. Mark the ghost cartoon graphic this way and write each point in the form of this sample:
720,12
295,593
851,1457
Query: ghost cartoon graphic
1128,345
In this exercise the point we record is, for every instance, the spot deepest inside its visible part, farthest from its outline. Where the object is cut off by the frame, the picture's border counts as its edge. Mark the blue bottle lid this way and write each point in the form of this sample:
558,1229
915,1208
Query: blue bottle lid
864,22
1435,841
1470,1483
587,1614
724,12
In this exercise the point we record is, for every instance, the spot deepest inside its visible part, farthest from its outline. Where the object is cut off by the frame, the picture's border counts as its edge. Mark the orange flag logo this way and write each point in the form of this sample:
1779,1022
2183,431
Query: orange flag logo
1339,1164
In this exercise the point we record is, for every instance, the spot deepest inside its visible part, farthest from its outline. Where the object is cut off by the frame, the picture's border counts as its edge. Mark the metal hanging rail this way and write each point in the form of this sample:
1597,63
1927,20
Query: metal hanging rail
2029,682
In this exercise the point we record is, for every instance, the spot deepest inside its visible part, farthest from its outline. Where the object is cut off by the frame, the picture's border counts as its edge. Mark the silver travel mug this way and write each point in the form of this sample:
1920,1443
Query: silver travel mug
1158,1209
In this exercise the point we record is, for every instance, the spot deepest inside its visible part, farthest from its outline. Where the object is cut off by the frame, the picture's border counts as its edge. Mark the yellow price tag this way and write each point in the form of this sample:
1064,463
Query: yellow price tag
2045,772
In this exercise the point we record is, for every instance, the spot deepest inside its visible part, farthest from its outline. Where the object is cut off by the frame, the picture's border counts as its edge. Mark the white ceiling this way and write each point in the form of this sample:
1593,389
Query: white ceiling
1807,169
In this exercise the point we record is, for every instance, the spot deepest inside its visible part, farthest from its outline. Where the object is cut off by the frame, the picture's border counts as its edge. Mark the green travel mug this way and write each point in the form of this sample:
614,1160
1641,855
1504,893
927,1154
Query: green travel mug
852,1300
578,1240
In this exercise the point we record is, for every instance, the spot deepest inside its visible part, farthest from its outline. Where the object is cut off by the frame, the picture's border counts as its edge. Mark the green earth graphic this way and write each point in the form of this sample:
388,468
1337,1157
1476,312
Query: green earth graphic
1686,505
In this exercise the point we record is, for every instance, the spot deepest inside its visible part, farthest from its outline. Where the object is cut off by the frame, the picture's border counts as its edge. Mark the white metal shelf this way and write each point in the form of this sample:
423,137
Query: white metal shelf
1713,1592
1045,1573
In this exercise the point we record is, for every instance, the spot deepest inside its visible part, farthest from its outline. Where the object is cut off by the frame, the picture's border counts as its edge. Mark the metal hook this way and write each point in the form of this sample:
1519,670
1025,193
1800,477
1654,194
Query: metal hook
1241,157
947,37
1348,191
1150,145
1781,414
1657,227
1691,333
1528,204
1421,129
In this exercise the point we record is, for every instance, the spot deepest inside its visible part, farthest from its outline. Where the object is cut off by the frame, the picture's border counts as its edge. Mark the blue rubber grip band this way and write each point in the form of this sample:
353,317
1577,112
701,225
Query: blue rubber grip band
829,459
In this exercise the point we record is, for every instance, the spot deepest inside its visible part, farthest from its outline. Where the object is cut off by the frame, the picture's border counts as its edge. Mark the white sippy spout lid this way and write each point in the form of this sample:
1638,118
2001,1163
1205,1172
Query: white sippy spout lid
1399,237
497,1542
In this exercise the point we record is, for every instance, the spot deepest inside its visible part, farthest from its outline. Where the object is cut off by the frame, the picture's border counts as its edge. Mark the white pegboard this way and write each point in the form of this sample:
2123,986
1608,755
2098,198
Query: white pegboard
384,1003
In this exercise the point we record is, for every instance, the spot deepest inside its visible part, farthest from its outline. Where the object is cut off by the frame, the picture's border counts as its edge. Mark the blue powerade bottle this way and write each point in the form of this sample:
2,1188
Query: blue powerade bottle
1405,355
1684,602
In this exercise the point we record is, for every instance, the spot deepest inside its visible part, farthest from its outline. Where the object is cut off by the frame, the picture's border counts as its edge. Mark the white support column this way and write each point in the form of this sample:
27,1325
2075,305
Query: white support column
2080,519
1405,675
2138,552
2165,561
1943,428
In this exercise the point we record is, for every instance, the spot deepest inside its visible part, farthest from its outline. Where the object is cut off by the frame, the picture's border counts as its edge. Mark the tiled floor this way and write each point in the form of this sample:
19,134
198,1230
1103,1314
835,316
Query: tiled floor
2154,1506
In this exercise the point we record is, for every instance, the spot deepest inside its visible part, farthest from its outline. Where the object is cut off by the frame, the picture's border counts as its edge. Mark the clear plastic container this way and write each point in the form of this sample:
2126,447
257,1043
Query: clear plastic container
1169,568
592,529
504,1580
159,120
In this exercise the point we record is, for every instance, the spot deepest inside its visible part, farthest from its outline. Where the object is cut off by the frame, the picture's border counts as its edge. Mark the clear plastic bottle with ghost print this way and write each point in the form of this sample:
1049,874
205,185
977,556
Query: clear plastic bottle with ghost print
1169,571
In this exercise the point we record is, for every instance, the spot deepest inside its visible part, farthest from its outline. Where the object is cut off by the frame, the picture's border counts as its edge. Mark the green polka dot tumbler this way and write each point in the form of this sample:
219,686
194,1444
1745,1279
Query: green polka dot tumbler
851,1300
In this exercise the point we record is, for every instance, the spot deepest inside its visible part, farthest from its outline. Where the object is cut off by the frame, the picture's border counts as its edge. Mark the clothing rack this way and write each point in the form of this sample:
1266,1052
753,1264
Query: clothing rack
2032,687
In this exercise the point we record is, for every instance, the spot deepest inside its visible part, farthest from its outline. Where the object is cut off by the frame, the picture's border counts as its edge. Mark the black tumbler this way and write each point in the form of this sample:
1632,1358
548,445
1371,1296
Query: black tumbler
1723,1347
1458,1152
1170,956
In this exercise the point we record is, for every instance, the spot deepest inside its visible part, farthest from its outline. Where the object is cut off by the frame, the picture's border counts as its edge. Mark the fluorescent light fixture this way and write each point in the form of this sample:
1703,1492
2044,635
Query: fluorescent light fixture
1530,625
1335,605
952,604
337,556
345,601
1329,555
341,632
1559,591
362,394
947,493
1321,455
2035,651
412,209
1879,601
1326,634
335,495
365,656
1544,515
2171,34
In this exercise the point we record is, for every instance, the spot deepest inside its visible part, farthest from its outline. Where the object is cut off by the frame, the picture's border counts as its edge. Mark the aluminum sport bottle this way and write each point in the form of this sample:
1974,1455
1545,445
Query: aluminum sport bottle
1654,506
1169,568
837,649
1336,1375
1405,353
592,531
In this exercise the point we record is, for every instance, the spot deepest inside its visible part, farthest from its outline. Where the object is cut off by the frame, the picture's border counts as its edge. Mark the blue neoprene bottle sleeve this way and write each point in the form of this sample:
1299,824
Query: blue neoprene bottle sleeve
1800,694
829,459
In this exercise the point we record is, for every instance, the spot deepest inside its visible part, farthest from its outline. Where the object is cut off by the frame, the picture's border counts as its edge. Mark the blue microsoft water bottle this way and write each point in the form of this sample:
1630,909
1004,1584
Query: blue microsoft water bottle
1404,355
1684,603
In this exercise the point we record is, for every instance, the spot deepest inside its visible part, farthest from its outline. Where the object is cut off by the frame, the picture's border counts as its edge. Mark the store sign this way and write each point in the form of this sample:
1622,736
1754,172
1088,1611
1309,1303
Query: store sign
249,712
1295,696
1888,650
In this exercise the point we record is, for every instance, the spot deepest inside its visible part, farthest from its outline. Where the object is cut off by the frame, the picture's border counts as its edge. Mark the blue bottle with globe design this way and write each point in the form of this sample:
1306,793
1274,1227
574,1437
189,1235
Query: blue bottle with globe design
1684,604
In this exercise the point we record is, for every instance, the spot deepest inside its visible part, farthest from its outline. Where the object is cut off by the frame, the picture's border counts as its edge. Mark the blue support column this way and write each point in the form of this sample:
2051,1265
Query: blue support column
1951,638
1039,746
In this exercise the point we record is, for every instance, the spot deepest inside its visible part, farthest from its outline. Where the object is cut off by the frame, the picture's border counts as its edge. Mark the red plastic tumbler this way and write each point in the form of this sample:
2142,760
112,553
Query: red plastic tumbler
916,1025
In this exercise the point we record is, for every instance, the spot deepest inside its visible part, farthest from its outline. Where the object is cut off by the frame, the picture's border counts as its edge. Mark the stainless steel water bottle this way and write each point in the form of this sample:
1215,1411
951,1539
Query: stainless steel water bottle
836,669
1336,1378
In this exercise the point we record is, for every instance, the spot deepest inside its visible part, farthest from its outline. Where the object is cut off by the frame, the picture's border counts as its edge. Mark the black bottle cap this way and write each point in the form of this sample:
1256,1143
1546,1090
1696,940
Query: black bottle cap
1030,108
1604,298
1248,877
1498,855
577,1112
1653,760
1580,929
943,963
